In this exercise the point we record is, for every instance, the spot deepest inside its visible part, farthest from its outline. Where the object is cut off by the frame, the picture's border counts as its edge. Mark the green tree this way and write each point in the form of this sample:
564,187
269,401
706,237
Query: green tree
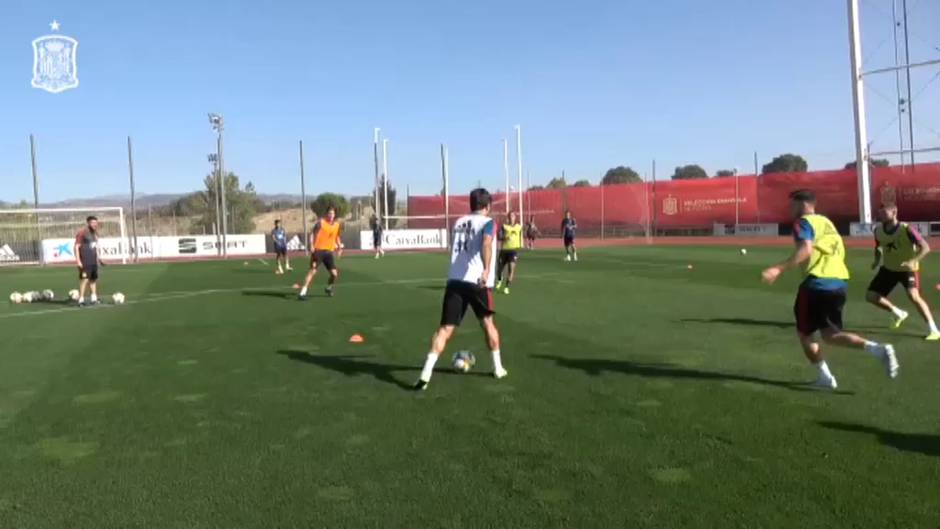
557,183
724,172
877,162
620,175
536,188
323,202
689,172
786,163
581,183
241,204
392,197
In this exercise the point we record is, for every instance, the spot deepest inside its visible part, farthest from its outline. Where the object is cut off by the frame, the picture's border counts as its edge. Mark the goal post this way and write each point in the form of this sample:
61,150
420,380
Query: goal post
46,235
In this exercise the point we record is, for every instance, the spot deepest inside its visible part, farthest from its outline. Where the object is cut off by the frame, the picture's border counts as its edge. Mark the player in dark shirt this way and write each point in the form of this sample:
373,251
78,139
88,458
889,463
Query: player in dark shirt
568,228
87,260
378,233
279,236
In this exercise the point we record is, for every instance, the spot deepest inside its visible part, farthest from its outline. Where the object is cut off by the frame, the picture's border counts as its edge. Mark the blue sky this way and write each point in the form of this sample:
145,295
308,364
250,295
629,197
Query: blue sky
594,84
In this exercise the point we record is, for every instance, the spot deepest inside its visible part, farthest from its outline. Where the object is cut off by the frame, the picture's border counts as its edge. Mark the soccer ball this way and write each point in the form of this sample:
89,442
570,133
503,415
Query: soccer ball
118,298
73,295
48,295
743,251
463,361
16,298
30,297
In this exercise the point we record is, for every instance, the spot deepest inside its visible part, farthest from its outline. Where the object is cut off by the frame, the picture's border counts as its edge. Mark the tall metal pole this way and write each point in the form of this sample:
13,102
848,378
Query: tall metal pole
519,168
222,186
130,170
907,63
385,179
897,81
506,174
653,220
737,204
375,154
861,134
216,228
32,157
303,195
446,177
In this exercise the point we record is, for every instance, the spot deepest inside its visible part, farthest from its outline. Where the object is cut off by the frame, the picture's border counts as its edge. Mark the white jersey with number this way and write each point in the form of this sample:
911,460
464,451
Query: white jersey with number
466,256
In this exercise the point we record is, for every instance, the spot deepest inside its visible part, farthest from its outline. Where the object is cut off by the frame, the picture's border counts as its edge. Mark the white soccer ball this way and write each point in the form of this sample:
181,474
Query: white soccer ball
743,251
16,298
463,361
48,295
30,297
118,298
73,295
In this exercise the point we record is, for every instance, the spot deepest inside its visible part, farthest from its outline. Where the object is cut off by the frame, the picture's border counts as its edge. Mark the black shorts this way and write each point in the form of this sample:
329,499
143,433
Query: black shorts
280,250
569,241
88,271
376,240
459,295
531,235
816,310
885,281
508,256
324,257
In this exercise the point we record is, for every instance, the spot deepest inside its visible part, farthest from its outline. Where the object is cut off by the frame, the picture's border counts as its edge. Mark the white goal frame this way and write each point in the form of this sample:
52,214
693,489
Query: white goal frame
89,210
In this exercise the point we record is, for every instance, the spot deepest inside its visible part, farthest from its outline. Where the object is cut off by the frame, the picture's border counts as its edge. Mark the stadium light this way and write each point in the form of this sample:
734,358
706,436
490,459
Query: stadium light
218,124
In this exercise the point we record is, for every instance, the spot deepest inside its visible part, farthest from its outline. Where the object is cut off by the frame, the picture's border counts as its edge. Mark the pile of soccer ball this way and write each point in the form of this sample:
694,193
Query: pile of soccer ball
32,297
463,361
47,296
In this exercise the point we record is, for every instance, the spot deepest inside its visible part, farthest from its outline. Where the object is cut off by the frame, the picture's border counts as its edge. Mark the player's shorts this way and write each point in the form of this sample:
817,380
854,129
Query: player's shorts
88,271
376,240
459,295
816,310
280,249
531,235
569,241
508,256
324,257
885,281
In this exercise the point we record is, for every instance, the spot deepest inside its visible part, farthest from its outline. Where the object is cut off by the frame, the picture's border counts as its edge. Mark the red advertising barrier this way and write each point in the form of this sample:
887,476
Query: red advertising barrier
698,204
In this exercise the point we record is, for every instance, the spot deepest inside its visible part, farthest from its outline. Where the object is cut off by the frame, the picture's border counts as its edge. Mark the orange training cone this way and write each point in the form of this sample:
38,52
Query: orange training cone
356,338
296,285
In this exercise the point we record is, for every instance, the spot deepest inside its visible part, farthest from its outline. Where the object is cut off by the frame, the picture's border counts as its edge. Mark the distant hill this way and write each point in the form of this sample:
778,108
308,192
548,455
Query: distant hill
155,200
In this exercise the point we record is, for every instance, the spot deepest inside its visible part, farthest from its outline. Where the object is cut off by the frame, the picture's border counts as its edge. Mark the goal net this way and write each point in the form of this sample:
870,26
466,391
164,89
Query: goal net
33,236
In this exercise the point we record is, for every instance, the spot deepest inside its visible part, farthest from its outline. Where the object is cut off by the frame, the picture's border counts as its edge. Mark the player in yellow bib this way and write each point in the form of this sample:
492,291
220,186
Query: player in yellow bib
899,249
326,241
821,297
510,234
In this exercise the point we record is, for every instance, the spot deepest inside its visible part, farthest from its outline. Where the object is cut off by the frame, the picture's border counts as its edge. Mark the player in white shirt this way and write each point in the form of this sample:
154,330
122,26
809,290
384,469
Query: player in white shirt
469,284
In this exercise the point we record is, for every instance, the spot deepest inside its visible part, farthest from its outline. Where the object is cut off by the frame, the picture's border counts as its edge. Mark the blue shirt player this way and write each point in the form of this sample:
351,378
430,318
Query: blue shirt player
279,237
568,228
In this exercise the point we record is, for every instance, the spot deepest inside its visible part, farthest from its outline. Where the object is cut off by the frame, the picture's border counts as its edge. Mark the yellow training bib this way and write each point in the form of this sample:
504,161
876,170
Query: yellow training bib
828,258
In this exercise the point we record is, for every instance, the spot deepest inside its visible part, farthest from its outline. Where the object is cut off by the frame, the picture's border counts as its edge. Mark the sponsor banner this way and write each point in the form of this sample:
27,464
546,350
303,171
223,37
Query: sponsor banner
163,247
407,239
859,229
8,255
757,230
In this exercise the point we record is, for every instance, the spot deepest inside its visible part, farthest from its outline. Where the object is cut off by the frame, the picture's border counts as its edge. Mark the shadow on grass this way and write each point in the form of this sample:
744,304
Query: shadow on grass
926,444
596,367
431,287
281,294
742,321
789,325
355,365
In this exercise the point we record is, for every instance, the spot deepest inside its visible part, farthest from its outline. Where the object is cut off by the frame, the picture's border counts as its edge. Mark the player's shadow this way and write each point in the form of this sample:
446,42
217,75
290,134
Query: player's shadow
926,444
598,366
785,325
742,321
278,294
355,365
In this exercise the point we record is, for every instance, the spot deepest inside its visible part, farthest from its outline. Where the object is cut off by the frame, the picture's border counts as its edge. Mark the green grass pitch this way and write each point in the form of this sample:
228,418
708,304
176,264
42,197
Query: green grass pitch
641,394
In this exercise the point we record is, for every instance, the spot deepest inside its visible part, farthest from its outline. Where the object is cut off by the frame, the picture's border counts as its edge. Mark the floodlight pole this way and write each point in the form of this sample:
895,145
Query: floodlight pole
907,62
130,170
375,154
506,174
446,177
303,195
861,134
32,156
519,168
385,180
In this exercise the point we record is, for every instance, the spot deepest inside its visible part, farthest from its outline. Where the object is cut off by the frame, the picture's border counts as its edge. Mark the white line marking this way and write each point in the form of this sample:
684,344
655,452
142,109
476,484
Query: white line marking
182,294
262,261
